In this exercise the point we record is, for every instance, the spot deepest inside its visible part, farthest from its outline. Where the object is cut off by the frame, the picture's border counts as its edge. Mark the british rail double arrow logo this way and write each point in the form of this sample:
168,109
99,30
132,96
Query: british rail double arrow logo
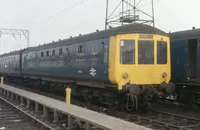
92,72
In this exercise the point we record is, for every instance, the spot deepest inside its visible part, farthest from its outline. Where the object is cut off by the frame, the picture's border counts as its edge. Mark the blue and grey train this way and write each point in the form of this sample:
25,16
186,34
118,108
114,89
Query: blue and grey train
128,61
185,61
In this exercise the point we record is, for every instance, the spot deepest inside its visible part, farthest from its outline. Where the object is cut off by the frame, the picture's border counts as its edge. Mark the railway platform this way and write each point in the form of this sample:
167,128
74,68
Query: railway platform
56,115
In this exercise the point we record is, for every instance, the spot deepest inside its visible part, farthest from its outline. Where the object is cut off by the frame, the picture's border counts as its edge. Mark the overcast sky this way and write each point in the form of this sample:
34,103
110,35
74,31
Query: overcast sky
50,20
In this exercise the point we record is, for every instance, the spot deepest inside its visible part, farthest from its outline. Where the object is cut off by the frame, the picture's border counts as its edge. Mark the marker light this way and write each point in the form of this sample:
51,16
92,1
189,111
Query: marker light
164,75
125,75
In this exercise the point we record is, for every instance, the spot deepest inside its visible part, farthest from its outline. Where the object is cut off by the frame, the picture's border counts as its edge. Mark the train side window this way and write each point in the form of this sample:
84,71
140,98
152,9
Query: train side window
67,50
42,54
127,52
145,52
47,53
68,55
80,49
161,52
53,52
60,51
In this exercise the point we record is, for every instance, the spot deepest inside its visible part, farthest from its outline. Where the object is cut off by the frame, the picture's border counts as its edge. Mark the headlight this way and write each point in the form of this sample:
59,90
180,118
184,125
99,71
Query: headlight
164,75
125,75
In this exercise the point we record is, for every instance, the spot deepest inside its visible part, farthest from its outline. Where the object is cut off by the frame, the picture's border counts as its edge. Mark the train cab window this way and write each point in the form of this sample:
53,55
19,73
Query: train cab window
47,53
42,54
127,52
161,52
53,52
145,52
60,51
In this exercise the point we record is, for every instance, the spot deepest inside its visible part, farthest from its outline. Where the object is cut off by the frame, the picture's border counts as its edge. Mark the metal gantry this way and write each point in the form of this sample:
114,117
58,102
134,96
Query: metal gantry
14,32
127,12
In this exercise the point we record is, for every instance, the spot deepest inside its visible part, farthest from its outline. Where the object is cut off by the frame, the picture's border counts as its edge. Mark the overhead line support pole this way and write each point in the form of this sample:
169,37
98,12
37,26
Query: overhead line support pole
15,32
106,20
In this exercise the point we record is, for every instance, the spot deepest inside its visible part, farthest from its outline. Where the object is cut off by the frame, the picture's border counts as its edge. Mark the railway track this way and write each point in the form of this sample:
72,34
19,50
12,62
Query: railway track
158,120
13,119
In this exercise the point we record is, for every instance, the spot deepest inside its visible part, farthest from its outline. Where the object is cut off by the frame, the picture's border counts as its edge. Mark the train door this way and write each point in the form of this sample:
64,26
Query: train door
198,60
192,60
105,58
179,52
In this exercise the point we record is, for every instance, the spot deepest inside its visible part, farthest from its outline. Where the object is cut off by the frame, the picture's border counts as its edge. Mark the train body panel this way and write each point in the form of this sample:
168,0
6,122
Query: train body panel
10,63
185,56
84,60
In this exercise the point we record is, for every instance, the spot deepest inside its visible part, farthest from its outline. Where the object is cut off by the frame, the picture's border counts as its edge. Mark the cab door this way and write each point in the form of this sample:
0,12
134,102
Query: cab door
198,59
192,60
105,59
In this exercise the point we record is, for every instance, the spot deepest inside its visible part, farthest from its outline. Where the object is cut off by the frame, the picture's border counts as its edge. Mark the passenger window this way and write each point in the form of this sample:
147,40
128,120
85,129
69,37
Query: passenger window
80,49
161,52
145,52
127,52
60,51
42,54
53,52
68,55
94,52
47,53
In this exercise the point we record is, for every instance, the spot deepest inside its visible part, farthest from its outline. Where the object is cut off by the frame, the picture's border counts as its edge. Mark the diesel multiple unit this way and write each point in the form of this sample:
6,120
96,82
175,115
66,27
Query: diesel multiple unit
129,61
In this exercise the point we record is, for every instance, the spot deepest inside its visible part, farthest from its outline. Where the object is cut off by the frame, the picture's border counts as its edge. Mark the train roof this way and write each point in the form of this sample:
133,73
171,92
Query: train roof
125,29
193,33
11,53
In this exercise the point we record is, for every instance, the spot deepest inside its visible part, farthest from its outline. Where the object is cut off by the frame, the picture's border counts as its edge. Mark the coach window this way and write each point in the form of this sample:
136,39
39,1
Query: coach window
161,52
60,51
53,52
68,55
42,54
145,52
127,52
80,49
47,53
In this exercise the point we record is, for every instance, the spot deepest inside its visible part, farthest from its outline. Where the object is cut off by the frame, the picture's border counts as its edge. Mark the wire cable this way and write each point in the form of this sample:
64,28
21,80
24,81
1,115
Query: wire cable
144,5
64,10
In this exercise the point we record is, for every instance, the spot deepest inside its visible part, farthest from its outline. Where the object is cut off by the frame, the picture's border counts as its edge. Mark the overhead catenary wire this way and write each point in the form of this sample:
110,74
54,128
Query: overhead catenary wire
147,4
43,5
34,12
80,2
59,12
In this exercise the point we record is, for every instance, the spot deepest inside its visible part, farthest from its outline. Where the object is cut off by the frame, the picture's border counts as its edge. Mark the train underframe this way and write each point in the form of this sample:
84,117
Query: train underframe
188,93
132,97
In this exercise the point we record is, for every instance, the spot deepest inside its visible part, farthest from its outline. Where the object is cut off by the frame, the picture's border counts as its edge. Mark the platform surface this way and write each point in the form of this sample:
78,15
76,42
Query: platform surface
96,118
